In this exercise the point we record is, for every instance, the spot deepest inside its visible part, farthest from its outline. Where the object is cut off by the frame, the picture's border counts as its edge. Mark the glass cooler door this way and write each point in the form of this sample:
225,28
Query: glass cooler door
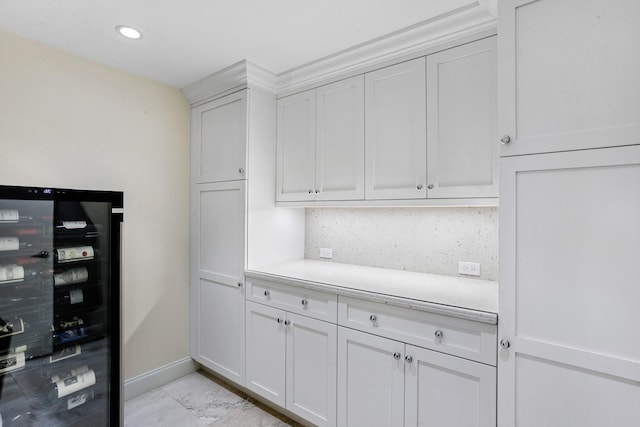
56,327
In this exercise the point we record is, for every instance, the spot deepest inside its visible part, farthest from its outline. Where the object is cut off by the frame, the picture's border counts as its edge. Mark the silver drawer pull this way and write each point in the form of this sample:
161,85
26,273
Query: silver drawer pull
267,293
287,322
408,359
279,320
505,343
439,334
397,355
373,318
305,302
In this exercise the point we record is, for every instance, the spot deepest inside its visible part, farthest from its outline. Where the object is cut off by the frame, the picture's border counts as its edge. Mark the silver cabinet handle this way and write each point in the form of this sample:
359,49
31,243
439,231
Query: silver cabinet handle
239,284
439,334
279,320
310,191
241,170
505,140
267,293
305,302
287,322
397,355
317,191
505,343
408,359
430,187
419,186
373,318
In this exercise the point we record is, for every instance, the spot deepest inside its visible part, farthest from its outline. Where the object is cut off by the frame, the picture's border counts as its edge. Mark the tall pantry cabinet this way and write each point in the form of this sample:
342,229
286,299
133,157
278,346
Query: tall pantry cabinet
232,169
569,210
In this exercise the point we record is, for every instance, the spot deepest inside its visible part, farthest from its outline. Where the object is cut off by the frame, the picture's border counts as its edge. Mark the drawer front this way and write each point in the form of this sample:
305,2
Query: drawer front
318,305
458,337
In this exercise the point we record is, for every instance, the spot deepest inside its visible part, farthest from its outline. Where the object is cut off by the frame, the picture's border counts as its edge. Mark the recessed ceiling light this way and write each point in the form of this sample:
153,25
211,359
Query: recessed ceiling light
129,32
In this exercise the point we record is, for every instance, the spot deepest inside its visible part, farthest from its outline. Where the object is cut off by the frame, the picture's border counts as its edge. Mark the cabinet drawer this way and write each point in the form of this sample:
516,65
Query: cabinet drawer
318,305
459,337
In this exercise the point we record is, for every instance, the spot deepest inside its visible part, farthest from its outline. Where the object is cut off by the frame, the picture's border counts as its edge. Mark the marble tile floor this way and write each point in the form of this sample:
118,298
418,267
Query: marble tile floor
200,400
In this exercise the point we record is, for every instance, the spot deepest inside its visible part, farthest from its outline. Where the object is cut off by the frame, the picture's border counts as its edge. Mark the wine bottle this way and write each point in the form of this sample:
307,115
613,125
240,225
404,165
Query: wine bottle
27,231
64,375
73,254
11,362
71,225
87,296
65,353
18,273
71,276
73,384
13,244
11,273
79,399
75,329
11,326
9,215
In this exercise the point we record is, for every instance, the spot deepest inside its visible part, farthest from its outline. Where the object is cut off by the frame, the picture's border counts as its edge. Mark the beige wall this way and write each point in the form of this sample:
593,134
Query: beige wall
69,122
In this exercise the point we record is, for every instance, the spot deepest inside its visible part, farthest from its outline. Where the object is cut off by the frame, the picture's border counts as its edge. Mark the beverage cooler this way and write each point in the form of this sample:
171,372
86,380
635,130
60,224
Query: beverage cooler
60,307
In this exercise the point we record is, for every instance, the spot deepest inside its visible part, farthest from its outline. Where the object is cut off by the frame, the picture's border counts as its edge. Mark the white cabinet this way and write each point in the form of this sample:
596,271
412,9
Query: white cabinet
291,358
462,148
219,139
296,129
569,251
217,281
383,382
340,140
447,391
386,376
568,74
395,132
266,352
569,209
320,143
420,129
370,380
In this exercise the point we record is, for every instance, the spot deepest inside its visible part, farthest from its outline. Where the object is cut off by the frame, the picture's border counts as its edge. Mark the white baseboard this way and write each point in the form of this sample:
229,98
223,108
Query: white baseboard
158,377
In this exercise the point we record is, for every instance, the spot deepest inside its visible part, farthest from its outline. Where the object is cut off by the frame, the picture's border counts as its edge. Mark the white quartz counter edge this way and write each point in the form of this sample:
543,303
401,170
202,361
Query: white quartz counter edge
470,299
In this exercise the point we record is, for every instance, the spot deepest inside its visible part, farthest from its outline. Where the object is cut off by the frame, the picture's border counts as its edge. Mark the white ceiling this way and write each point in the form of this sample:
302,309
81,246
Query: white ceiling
186,40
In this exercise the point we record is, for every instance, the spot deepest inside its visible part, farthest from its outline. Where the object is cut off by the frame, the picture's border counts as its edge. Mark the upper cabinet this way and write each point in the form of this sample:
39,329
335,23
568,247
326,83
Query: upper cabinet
462,153
413,131
320,143
395,130
219,139
550,54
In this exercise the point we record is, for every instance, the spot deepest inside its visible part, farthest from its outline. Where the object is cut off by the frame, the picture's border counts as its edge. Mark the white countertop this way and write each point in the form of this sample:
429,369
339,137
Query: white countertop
472,299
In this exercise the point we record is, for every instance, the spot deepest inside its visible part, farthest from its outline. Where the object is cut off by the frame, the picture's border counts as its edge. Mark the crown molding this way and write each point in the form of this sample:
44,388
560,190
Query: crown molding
475,18
235,77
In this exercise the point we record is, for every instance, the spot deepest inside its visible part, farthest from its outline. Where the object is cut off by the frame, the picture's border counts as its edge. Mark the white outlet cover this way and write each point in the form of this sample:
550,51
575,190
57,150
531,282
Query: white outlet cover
469,268
326,253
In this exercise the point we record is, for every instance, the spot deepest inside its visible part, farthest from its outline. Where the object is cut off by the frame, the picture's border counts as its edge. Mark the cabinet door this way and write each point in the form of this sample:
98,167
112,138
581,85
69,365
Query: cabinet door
296,141
340,140
569,251
219,139
217,282
311,369
395,132
370,380
462,151
448,391
266,352
568,74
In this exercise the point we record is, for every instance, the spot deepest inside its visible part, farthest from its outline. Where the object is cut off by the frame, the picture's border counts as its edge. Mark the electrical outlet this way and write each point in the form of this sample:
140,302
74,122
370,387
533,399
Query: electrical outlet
469,268
326,253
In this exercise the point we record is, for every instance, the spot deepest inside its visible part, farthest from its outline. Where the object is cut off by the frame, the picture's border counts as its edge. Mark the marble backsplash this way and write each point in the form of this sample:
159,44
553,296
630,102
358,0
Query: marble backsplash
426,240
